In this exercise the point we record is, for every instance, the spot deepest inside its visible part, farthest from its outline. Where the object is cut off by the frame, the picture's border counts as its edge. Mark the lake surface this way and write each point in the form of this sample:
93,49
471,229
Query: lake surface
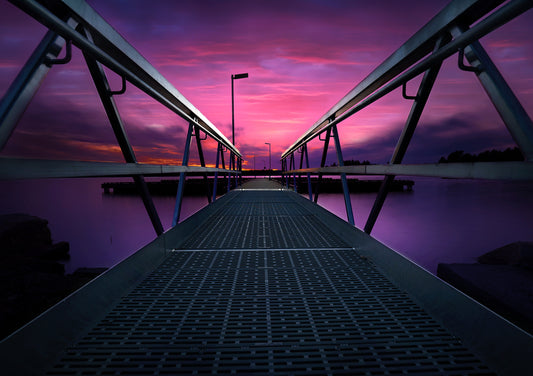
441,220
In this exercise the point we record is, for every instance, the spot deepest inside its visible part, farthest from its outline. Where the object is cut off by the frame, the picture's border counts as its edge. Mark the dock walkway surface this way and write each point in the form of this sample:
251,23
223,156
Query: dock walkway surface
264,281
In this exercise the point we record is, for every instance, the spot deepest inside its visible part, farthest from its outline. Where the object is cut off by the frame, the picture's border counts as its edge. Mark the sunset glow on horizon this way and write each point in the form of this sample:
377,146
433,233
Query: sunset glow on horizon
301,56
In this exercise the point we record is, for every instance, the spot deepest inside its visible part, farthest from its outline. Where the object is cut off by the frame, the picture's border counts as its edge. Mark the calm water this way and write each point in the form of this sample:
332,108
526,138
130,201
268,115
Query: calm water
440,221
102,229
446,220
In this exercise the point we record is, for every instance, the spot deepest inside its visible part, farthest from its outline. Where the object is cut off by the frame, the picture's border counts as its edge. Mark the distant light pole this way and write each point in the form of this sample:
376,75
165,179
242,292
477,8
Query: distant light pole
234,77
269,160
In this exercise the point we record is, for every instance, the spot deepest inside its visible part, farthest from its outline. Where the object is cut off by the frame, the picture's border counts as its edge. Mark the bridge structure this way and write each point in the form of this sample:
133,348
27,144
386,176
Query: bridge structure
263,280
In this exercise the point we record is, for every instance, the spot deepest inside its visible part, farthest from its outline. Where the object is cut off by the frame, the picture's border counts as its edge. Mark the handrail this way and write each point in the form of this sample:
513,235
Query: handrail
455,29
74,22
129,63
416,47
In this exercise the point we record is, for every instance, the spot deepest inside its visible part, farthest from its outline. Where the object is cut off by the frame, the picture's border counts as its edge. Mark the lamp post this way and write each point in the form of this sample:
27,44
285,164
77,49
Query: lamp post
269,161
234,77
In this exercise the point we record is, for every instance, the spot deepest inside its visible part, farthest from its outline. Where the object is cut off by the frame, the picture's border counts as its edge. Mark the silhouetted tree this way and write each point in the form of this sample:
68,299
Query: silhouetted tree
509,154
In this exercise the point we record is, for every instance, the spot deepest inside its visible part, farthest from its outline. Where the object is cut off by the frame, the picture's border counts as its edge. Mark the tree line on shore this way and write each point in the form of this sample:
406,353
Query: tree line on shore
509,154
459,156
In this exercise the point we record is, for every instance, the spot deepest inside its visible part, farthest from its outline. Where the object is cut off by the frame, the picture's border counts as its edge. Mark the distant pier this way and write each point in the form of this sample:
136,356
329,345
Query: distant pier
196,187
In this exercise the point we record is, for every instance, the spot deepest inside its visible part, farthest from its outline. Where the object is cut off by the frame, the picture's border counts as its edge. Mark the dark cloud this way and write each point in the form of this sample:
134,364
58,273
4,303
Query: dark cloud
432,141
65,130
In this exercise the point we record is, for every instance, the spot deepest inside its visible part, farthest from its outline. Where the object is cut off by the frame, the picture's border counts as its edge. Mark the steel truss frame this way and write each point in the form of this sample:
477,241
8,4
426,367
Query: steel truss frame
456,29
75,22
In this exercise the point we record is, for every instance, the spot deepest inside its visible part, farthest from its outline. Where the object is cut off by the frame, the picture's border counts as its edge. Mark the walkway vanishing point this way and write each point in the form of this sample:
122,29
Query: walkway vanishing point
264,281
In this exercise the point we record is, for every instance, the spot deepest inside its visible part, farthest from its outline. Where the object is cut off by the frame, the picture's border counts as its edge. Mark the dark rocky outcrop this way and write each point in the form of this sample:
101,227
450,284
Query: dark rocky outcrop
502,280
515,254
32,278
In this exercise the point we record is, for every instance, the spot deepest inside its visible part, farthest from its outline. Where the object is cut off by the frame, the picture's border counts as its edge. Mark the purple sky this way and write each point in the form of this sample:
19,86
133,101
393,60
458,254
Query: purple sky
302,57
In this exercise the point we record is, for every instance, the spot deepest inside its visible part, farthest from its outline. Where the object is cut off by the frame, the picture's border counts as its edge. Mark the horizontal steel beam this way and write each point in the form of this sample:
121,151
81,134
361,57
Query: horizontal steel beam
476,170
414,50
19,168
112,50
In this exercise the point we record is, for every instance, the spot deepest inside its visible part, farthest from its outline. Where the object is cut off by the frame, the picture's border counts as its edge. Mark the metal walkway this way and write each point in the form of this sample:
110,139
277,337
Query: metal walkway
264,283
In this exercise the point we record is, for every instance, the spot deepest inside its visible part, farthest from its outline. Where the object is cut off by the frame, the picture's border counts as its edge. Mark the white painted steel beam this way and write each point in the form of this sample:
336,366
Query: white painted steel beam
19,168
475,170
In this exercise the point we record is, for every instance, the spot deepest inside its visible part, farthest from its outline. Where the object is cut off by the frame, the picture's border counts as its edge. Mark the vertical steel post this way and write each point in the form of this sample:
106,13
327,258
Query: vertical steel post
222,157
104,91
26,84
202,160
215,183
282,171
293,167
504,100
419,103
181,184
301,165
287,176
322,163
230,164
269,160
309,186
347,201
236,168
240,170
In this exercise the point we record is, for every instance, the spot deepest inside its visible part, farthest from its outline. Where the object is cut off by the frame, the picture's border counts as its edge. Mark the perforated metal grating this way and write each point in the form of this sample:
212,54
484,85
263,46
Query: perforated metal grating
267,312
263,220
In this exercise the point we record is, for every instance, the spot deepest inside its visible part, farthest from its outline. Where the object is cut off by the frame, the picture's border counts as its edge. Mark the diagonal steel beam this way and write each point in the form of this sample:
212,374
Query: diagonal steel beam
417,108
505,101
105,93
26,84
345,189
202,160
181,184
322,163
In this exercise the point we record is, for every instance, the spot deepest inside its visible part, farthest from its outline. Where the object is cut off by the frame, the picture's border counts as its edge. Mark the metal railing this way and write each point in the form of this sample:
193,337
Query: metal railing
76,23
454,30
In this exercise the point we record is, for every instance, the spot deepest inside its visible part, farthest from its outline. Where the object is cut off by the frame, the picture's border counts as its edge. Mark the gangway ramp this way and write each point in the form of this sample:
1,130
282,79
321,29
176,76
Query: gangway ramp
264,281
